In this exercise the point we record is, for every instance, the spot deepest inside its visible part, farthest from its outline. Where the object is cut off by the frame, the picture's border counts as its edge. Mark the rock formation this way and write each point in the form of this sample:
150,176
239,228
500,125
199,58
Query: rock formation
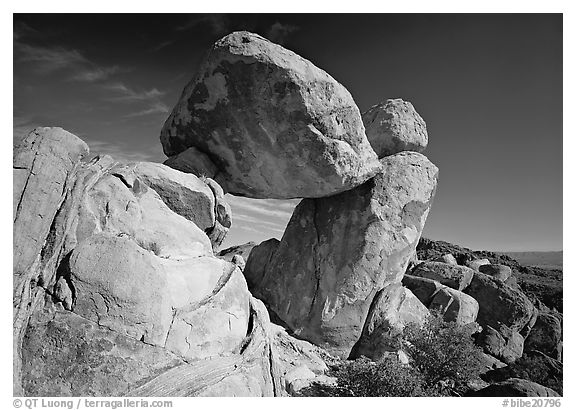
395,126
338,252
119,289
266,123
454,276
123,290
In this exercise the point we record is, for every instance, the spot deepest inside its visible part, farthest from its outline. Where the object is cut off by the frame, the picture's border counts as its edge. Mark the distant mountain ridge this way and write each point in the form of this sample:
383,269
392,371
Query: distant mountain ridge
553,259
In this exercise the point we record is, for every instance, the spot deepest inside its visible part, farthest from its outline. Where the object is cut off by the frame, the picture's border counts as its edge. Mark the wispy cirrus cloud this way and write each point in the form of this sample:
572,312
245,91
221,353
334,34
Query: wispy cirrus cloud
279,32
156,108
49,59
218,24
91,75
128,94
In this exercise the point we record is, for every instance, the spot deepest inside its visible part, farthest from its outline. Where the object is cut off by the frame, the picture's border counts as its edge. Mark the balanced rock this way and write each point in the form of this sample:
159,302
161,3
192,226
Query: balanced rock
268,124
394,126
501,304
454,306
501,272
338,252
393,308
454,276
546,335
504,344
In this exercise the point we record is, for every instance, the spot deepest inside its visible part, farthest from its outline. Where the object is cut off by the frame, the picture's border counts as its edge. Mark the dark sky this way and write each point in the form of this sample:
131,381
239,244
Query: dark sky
489,87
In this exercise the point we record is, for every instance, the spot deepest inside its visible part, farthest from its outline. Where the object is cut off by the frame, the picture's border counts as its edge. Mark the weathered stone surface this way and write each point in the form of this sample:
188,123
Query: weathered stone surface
546,336
273,124
515,388
193,161
500,303
533,364
239,261
447,258
252,371
271,363
423,288
392,309
455,306
64,354
125,263
184,194
299,363
454,276
501,272
504,343
258,260
476,263
242,250
196,307
490,363
394,126
44,164
223,214
338,252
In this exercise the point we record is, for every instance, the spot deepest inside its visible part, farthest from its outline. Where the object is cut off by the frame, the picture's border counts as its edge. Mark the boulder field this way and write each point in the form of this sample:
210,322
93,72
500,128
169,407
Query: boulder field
120,287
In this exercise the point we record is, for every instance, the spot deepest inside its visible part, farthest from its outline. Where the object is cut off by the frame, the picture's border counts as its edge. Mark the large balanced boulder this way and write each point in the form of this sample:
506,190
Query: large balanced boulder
338,252
454,276
501,304
266,123
394,126
393,308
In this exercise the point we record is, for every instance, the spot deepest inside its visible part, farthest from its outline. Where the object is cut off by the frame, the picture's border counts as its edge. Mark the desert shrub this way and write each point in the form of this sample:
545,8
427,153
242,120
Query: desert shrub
387,377
443,353
443,358
365,378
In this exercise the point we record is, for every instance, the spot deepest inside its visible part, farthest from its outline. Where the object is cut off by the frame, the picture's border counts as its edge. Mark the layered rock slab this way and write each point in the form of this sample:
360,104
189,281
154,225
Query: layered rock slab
338,252
266,123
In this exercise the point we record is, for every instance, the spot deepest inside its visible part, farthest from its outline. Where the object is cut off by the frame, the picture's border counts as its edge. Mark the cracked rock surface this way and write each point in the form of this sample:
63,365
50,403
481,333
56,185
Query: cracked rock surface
266,123
338,252
117,286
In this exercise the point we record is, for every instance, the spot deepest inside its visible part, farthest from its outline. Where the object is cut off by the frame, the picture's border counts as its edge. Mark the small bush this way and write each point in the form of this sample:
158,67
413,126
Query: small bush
443,359
385,378
443,353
